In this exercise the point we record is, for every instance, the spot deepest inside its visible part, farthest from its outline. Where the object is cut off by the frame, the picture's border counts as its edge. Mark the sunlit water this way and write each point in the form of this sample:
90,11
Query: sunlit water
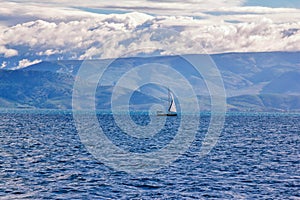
256,157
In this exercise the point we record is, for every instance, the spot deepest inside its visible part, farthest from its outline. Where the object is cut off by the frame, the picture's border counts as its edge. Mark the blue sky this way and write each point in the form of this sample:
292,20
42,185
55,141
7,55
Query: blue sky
32,30
274,3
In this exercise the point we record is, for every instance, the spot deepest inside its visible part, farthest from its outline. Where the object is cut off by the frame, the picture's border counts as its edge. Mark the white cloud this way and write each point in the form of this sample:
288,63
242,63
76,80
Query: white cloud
65,33
12,13
49,52
8,52
252,14
263,35
167,7
25,63
20,11
112,35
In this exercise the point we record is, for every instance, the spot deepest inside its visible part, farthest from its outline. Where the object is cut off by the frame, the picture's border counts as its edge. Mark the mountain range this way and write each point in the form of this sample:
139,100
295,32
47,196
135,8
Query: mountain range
266,81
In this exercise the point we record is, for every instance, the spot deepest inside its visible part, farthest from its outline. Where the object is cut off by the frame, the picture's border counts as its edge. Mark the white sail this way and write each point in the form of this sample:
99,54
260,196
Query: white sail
172,107
172,111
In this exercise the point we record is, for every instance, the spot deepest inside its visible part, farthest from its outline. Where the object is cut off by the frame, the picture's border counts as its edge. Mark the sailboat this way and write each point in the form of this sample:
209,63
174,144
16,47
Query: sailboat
172,111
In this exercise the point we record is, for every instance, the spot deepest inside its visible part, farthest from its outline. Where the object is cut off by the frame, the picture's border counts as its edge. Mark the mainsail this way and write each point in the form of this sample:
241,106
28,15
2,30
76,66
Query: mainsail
172,111
172,107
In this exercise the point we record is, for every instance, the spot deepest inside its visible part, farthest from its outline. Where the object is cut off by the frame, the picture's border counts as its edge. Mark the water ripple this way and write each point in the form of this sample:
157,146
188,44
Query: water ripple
257,157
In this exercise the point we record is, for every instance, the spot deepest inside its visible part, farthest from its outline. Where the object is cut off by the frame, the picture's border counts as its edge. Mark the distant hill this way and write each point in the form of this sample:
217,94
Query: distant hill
35,89
286,83
50,90
264,102
253,81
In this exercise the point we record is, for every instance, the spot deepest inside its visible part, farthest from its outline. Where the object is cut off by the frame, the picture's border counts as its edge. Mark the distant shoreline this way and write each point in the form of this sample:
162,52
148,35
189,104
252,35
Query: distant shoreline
203,113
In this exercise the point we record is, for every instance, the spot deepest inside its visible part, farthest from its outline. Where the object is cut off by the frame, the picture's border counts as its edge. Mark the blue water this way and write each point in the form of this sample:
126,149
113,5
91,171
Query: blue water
256,157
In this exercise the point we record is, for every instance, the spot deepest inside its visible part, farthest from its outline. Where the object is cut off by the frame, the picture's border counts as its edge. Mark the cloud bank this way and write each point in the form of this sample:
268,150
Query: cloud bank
25,63
38,33
157,7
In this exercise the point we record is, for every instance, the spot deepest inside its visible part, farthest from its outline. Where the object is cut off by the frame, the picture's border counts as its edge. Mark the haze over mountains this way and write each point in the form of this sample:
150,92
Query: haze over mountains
253,82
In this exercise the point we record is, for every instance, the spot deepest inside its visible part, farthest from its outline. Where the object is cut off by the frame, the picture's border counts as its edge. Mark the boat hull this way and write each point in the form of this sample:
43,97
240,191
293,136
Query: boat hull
172,114
166,114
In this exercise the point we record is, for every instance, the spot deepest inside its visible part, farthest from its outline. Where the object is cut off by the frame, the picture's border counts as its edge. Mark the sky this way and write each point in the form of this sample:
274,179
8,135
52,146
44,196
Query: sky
31,30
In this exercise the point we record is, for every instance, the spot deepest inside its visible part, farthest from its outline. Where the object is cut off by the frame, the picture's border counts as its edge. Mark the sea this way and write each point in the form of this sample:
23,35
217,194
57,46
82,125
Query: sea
256,156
